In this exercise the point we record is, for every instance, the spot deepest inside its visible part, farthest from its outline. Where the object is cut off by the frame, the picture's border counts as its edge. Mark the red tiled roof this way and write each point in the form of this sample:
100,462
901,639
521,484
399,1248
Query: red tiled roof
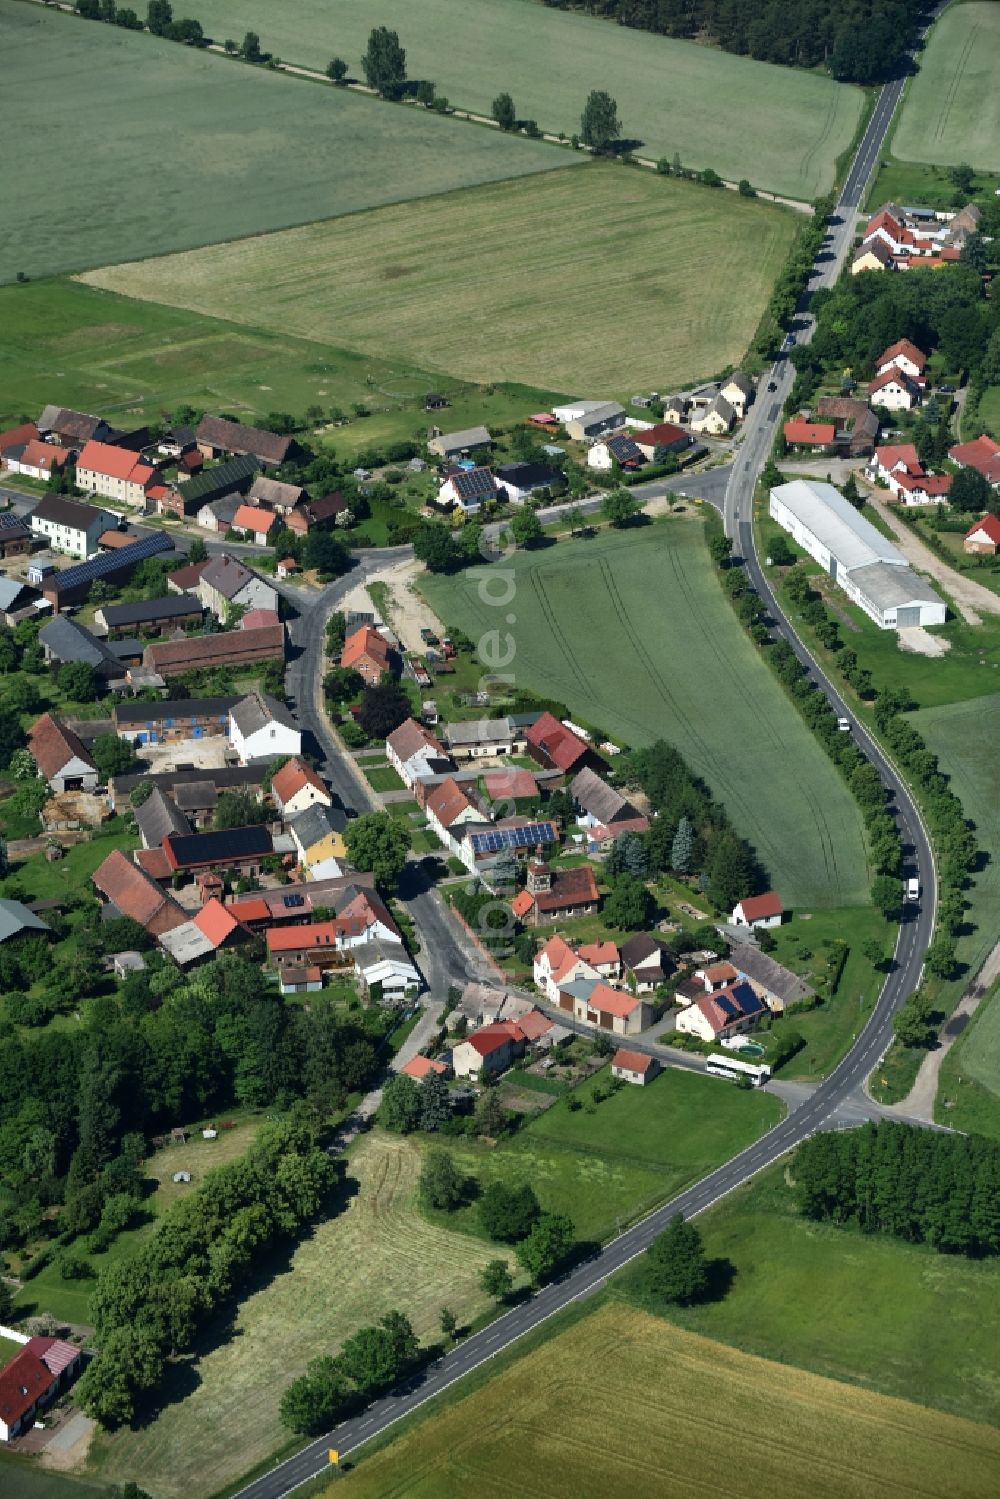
664,434
136,895
290,779
421,1067
250,910
365,643
23,1382
447,802
17,437
632,1061
982,454
989,524
557,743
55,1353
229,648
53,745
560,955
814,433
756,906
938,484
509,785
570,887
894,375
259,619
522,904
154,862
300,938
902,452
612,1001
188,577
534,1024
253,518
114,463
909,351
38,454
721,973
595,953
113,540
215,922
489,1038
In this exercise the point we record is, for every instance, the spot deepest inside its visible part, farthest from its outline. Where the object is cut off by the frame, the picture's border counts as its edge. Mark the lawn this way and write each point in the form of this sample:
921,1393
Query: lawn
544,1426
783,129
400,281
892,1317
378,1253
22,1478
964,737
952,108
989,409
384,778
607,1164
969,1088
631,631
249,150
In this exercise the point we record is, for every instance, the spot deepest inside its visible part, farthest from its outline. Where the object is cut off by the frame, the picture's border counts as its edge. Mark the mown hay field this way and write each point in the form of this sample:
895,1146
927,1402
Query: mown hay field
118,145
952,109
594,279
781,128
376,1254
624,1403
632,632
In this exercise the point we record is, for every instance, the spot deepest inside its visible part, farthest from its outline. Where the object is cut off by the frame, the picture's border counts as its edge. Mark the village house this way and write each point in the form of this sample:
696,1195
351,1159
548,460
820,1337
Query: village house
225,583
275,495
261,728
131,892
556,964
16,439
899,467
415,754
759,911
519,481
115,474
676,409
485,738
218,515
725,1012
37,459
659,442
585,421
467,490
157,817
738,390
61,757
218,438
483,843
595,1003
324,512
619,448
385,971
366,652
557,747
717,418
64,640
634,1067
452,445
318,835
555,894
983,537
420,1067
597,803
508,786
69,526
489,1051
361,917
171,658
449,807
238,851
297,786
646,963
983,454
256,523
603,957
855,422
895,391
161,615
31,1380
72,429
775,984
816,437
905,356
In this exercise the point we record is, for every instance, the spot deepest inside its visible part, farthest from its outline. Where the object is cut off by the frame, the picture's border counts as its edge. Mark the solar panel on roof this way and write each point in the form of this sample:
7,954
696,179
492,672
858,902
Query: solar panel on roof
294,900
526,837
107,563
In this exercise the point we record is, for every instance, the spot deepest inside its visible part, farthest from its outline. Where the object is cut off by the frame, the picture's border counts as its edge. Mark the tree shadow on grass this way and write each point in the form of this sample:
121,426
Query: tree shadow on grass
721,1273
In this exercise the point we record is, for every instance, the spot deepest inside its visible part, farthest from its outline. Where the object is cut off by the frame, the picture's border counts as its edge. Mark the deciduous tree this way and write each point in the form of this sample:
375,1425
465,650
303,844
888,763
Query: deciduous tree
384,63
600,127
675,1268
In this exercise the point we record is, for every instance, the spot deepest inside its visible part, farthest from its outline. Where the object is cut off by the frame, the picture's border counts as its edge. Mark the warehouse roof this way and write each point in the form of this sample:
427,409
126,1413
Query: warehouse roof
172,606
836,524
893,587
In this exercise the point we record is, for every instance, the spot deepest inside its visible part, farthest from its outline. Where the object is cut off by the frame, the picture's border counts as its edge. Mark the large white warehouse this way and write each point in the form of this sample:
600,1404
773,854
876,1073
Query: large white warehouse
867,566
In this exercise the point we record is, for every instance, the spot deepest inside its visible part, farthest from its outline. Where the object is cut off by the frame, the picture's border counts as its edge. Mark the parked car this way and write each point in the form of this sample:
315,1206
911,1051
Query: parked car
772,384
947,390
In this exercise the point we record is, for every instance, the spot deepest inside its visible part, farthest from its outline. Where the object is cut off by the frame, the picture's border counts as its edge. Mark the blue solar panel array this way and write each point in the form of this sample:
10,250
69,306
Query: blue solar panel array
527,837
106,564
293,900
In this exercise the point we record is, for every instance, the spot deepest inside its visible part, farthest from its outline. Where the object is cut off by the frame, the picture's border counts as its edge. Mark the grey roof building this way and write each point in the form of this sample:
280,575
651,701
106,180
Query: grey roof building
63,639
16,918
158,816
257,710
173,606
316,822
447,443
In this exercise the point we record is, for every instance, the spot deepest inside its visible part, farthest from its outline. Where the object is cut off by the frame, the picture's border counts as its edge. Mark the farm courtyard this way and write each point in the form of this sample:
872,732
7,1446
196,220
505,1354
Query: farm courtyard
952,109
533,1429
782,128
402,282
149,146
631,631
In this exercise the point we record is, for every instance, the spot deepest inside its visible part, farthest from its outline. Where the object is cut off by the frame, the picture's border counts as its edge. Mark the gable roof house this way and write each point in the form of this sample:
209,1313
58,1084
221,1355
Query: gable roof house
367,653
320,512
598,803
619,448
217,516
485,738
31,1379
37,459
318,835
856,424
555,746
983,537
596,1003
242,850
275,495
759,910
895,390
646,962
818,437
455,444
448,807
116,474
157,817
60,756
225,581
717,418
489,1050
385,964
17,439
173,610
555,894
261,728
558,963
133,893
634,1067
521,480
730,1011
218,438
738,390
592,419
414,753
983,454
297,786
69,526
64,639
467,490
905,356
256,522
775,984
655,443
72,429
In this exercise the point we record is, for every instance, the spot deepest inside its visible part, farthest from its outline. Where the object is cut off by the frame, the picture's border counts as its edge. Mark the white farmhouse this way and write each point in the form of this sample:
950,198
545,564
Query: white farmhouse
865,564
261,728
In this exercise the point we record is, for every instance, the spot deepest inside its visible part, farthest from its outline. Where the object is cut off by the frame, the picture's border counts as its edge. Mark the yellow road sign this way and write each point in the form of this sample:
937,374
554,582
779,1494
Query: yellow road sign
333,1455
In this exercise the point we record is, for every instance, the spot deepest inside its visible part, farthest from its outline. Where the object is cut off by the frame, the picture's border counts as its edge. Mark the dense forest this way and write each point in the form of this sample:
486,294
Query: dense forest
915,1184
859,41
77,1105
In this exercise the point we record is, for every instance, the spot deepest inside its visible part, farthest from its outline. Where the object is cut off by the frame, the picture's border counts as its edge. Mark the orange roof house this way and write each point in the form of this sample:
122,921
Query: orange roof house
134,894
421,1067
296,785
257,521
367,653
809,434
216,922
983,454
553,744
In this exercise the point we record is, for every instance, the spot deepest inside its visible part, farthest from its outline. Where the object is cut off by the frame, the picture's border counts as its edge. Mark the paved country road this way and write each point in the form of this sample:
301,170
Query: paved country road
818,1109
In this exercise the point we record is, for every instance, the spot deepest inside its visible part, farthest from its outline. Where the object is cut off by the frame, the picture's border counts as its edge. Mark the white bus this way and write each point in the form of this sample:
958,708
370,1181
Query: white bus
734,1069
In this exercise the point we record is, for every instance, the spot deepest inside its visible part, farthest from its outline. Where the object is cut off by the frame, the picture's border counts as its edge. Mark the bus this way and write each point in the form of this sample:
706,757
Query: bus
734,1069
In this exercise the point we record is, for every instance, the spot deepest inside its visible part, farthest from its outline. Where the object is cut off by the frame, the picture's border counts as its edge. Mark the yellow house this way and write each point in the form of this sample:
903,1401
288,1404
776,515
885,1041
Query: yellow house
318,835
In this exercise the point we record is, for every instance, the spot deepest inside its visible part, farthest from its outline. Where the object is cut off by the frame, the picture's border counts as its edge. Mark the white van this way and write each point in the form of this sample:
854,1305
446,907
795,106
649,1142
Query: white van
913,889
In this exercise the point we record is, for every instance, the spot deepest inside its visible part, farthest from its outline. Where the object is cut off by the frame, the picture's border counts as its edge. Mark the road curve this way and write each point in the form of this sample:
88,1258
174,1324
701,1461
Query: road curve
847,1078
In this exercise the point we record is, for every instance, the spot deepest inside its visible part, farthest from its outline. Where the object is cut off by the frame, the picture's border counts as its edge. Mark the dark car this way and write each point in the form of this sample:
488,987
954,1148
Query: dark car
772,384
947,390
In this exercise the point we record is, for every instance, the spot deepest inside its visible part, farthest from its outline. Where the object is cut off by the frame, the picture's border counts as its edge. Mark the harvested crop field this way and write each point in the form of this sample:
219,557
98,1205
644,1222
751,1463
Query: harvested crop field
377,1254
149,146
781,127
617,1405
952,108
632,632
403,282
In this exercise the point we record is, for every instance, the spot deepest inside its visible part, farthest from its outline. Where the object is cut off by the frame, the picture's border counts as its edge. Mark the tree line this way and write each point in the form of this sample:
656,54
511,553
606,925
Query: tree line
913,1184
858,41
149,1307
77,1105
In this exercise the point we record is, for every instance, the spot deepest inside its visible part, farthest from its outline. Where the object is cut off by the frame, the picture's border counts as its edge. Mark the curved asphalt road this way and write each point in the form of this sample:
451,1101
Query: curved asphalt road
818,1110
